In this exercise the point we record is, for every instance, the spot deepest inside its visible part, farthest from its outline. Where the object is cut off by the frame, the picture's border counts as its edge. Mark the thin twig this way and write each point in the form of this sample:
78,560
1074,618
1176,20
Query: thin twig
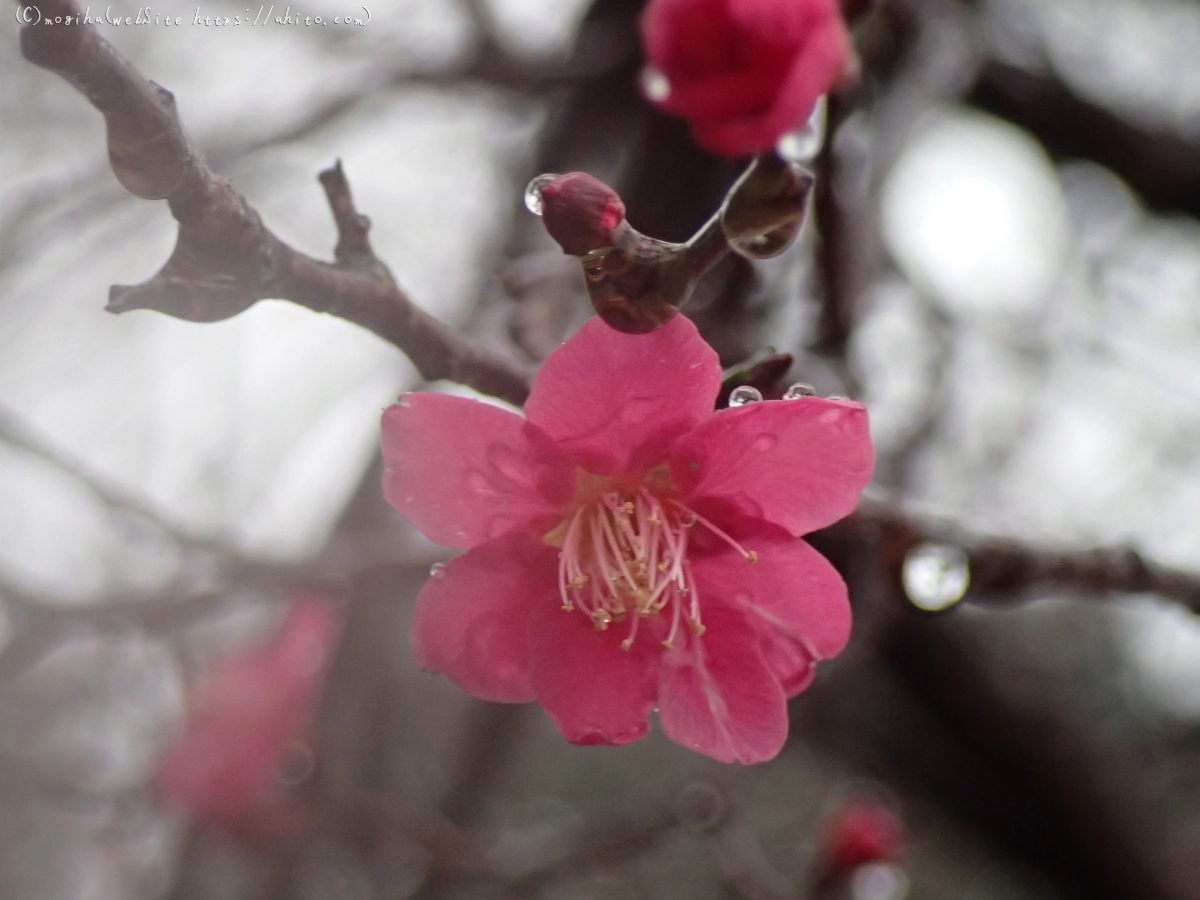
225,258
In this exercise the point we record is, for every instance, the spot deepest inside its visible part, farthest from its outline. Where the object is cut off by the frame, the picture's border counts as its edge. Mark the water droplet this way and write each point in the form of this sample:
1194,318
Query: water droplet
740,396
512,467
798,390
480,483
763,443
935,576
436,569
655,85
533,192
804,143
764,211
879,881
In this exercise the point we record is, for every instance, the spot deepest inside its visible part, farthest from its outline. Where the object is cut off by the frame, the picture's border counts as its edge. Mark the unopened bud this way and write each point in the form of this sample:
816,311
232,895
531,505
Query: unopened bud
580,212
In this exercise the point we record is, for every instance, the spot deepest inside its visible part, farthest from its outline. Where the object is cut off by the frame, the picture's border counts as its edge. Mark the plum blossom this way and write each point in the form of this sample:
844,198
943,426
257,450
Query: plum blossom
224,770
628,548
744,72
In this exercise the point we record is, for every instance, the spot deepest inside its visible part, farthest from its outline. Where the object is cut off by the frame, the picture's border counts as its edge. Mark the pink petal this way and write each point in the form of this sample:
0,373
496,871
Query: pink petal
687,37
798,463
595,692
792,596
730,131
616,400
717,695
720,97
464,472
470,621
223,768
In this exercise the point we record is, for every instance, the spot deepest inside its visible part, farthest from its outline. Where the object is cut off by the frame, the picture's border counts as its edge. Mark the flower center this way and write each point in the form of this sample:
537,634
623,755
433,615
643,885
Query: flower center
624,555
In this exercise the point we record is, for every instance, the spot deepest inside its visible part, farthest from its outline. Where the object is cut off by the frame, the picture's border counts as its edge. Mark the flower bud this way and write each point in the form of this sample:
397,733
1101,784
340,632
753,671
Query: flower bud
580,212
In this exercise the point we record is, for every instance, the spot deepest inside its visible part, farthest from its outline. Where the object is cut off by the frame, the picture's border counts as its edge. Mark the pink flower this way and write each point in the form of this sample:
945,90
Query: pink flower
224,768
745,72
629,548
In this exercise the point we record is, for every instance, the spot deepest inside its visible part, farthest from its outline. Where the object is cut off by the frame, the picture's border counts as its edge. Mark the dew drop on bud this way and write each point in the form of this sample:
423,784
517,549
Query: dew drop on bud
740,396
798,390
655,85
935,576
533,192
436,569
804,143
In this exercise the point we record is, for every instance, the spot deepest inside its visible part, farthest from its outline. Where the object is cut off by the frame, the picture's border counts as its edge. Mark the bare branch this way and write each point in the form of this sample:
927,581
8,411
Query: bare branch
1006,570
225,258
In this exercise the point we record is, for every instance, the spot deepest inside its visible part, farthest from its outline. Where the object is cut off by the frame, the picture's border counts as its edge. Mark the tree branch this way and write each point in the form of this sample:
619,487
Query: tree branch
1006,570
225,258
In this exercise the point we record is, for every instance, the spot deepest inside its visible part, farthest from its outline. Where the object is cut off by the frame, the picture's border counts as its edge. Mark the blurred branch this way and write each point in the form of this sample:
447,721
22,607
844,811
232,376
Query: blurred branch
1159,164
225,259
940,57
1006,570
16,432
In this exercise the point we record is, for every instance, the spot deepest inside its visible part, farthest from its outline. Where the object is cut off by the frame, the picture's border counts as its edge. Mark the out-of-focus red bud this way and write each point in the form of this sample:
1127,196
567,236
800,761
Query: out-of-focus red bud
863,832
580,212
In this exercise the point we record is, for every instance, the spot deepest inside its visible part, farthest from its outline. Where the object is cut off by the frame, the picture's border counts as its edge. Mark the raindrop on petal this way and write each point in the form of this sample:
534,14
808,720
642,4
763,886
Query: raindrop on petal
533,192
655,85
935,576
804,143
798,390
740,396
436,569
764,442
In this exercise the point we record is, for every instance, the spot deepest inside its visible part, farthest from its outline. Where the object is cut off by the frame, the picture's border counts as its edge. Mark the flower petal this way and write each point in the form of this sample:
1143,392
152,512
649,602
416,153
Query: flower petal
734,131
595,692
792,596
685,38
798,463
717,695
471,618
617,400
464,472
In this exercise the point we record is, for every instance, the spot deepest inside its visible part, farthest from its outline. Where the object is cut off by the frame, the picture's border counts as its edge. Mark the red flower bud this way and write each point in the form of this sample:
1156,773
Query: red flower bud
861,833
580,212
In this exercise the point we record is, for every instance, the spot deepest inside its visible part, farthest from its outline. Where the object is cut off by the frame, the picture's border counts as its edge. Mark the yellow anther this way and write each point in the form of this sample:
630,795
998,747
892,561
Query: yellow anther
627,644
751,557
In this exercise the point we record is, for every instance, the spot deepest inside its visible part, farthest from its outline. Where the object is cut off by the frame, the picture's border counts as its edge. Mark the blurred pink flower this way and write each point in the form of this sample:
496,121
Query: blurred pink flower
745,72
224,770
628,547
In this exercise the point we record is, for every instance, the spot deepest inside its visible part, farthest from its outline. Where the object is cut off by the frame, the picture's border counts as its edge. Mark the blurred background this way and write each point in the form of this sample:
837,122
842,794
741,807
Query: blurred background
1003,262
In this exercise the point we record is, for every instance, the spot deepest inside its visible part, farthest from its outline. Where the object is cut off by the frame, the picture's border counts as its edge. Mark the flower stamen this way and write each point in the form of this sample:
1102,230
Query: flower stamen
625,554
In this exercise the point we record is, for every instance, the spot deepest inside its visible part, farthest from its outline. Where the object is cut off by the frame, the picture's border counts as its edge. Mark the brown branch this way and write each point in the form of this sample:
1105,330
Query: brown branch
1006,570
225,258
